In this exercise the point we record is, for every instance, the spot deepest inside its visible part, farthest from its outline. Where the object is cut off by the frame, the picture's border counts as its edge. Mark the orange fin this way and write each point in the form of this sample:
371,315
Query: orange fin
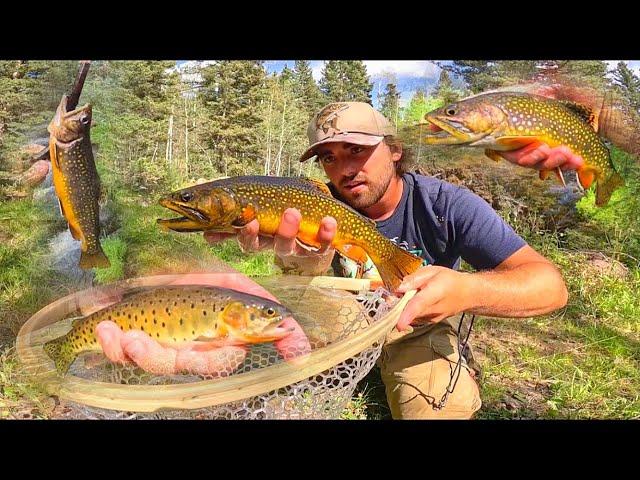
401,263
515,141
204,344
544,174
247,215
586,176
493,155
354,252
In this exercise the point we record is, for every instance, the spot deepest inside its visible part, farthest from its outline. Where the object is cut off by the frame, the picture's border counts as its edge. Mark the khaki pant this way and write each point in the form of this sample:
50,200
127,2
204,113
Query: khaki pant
416,368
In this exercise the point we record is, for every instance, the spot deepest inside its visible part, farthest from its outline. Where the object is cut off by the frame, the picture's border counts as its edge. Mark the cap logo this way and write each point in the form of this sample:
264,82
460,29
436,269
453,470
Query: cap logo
328,116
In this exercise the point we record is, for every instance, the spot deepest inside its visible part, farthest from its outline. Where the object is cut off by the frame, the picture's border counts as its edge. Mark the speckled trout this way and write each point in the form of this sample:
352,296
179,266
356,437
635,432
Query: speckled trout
503,121
227,204
178,316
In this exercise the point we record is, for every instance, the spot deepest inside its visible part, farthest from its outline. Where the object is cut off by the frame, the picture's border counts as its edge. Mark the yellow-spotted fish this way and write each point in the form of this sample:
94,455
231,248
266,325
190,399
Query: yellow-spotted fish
227,204
76,180
503,121
178,316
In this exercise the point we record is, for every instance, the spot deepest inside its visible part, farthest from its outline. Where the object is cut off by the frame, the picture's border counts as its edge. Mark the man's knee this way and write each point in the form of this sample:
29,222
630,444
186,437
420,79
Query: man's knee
424,381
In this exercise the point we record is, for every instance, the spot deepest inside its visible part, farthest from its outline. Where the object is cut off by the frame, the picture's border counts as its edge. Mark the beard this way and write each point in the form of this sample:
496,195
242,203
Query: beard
376,188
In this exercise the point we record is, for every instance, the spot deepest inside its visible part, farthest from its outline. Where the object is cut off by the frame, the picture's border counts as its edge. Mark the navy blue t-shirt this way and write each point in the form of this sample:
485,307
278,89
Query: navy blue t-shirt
443,223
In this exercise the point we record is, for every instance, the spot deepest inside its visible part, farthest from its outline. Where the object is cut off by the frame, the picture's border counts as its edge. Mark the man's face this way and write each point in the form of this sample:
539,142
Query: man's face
360,173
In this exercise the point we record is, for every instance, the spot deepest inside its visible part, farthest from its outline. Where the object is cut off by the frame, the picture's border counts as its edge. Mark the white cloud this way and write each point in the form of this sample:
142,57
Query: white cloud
316,70
634,65
411,68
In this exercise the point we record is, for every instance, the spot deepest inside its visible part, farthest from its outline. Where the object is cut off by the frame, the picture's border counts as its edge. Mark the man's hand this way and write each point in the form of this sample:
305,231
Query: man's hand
291,254
140,348
524,285
442,292
540,156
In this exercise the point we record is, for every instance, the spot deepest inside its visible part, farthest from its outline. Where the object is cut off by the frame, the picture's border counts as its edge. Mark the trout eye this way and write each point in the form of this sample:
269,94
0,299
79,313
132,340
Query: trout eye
271,312
451,111
186,196
84,119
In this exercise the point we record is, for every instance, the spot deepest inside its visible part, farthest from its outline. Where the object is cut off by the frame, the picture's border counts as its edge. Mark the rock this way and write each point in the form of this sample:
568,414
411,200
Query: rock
607,266
42,141
32,149
64,258
109,222
36,174
46,198
48,180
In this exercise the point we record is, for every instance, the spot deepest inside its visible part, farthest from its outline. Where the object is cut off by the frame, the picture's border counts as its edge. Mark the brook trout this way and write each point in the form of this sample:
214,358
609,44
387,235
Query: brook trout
505,121
178,316
227,204
76,180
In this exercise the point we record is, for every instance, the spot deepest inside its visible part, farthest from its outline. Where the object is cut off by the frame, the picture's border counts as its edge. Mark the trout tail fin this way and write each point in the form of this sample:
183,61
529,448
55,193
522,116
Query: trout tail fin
393,268
606,186
60,353
97,259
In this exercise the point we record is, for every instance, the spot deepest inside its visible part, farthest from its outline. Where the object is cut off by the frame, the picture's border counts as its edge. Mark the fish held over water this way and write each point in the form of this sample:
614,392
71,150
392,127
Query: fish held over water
228,204
177,316
503,121
76,180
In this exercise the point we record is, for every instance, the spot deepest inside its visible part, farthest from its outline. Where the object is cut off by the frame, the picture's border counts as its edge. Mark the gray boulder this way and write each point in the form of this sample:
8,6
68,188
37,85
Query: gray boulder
64,257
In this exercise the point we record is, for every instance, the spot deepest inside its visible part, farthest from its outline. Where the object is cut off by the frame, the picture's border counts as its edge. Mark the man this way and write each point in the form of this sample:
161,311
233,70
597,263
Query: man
442,223
424,374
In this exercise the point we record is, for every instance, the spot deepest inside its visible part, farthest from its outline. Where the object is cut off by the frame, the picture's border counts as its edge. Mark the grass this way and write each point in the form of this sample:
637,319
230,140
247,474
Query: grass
580,362
116,250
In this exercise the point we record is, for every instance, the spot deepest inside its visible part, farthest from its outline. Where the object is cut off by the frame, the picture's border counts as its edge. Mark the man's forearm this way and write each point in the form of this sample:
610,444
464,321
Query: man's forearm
523,291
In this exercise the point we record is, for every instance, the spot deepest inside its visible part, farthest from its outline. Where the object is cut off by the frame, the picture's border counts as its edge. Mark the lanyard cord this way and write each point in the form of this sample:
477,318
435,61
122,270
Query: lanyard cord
462,346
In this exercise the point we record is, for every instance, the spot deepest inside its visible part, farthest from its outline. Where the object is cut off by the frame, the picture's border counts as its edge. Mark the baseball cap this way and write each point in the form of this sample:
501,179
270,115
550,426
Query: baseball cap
352,122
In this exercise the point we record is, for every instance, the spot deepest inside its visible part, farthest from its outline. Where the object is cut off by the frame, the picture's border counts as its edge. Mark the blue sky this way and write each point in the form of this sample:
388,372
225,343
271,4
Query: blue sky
410,74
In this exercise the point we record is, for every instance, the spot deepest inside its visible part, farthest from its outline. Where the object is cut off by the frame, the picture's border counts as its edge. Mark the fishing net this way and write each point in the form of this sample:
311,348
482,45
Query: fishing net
345,328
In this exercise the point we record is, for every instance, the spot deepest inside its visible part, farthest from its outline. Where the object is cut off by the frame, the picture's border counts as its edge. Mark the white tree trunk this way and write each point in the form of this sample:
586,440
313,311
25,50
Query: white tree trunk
186,138
279,159
267,160
169,153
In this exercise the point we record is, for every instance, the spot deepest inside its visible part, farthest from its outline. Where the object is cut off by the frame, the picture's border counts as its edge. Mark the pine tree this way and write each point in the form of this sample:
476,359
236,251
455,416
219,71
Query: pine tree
419,104
305,87
287,74
147,85
232,94
589,72
628,83
477,74
390,104
346,81
444,89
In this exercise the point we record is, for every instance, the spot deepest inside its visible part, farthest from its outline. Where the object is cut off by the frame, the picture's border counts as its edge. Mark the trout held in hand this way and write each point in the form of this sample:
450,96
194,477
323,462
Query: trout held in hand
503,121
227,204
76,180
179,316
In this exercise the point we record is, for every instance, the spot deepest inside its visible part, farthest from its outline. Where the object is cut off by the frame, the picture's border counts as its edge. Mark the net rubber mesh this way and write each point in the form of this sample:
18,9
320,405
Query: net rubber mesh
325,315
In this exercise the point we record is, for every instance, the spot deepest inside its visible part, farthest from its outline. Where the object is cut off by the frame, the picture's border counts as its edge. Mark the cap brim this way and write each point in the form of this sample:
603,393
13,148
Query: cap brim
355,138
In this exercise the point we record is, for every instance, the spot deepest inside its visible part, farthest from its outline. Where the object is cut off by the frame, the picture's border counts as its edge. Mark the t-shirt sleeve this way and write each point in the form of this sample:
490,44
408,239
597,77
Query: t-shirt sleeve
481,237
